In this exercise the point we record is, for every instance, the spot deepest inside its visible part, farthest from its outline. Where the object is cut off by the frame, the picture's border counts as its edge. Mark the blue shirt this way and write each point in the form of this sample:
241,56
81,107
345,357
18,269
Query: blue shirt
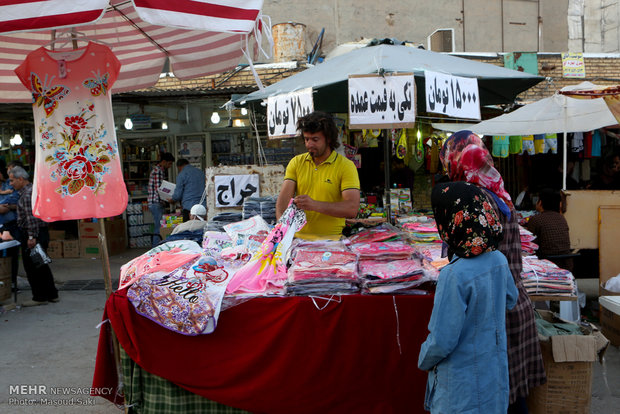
190,186
12,198
466,349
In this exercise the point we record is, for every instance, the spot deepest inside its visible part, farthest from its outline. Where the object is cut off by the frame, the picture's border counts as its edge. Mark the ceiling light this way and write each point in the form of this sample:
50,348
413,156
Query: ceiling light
128,123
215,118
164,125
244,111
16,140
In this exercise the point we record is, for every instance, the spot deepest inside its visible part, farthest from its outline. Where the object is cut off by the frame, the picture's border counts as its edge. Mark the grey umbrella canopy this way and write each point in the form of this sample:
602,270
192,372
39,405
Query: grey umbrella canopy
329,79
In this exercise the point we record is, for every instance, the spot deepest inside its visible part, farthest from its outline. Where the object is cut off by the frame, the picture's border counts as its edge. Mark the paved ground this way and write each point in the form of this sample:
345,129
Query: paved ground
54,346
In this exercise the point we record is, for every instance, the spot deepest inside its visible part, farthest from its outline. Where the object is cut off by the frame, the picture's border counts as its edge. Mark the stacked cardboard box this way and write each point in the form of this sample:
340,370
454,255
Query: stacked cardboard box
568,363
54,249
116,240
610,318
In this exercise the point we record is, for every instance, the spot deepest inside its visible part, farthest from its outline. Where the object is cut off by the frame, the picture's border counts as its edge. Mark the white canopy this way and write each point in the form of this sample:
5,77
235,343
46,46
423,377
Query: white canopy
557,113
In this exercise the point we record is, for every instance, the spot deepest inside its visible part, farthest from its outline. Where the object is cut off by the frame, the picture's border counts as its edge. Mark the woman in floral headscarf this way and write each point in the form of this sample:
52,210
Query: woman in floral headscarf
465,158
465,351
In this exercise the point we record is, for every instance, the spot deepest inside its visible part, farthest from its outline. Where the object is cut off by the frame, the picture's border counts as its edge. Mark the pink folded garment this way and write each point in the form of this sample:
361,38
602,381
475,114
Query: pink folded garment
390,269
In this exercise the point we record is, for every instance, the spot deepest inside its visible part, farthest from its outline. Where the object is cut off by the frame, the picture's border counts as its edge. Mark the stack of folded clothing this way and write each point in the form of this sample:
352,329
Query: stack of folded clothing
383,250
378,233
431,252
543,277
262,206
401,276
422,232
528,247
218,222
322,268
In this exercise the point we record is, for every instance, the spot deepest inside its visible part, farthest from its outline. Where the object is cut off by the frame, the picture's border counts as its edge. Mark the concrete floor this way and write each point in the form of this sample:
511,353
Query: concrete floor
55,345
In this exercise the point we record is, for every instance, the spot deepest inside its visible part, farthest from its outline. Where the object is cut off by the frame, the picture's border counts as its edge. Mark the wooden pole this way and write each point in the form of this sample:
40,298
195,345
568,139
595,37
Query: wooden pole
107,280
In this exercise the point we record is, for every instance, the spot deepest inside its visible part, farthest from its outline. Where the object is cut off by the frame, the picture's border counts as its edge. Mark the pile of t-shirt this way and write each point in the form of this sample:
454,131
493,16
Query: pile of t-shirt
543,277
402,276
528,247
322,268
262,206
422,232
218,222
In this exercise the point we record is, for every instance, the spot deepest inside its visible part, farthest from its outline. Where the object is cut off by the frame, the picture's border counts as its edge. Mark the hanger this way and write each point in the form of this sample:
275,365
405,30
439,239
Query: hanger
62,38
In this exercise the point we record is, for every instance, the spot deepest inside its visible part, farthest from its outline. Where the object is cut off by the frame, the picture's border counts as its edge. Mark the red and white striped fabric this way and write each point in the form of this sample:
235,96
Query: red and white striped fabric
141,37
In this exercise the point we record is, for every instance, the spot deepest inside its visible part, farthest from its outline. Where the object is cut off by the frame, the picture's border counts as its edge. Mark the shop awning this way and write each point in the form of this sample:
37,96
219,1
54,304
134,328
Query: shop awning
329,79
198,38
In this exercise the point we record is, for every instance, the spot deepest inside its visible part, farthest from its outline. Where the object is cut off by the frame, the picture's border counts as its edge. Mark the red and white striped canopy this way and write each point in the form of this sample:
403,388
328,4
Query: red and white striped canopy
199,37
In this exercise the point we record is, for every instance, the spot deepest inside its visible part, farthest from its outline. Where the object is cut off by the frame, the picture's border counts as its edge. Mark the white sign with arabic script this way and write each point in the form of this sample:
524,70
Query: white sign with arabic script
452,95
381,101
284,110
230,190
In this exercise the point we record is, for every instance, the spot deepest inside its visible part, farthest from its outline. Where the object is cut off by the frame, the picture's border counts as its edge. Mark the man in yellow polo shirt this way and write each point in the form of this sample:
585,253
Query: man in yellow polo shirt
323,183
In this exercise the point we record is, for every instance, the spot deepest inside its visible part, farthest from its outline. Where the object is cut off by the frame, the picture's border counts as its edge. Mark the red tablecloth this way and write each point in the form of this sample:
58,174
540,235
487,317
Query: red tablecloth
285,355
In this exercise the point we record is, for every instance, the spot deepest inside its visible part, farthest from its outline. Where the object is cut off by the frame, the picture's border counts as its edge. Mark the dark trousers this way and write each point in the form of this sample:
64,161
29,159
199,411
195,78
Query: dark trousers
185,215
13,253
41,279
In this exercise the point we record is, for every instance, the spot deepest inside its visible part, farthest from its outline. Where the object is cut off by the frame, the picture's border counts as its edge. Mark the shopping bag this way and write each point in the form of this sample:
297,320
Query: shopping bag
39,257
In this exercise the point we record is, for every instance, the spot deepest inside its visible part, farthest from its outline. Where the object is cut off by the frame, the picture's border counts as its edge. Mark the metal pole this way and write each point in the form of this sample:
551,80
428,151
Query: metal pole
386,169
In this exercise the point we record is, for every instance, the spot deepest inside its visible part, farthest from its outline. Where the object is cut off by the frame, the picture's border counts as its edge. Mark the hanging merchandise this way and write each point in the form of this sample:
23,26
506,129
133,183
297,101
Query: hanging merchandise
551,143
539,143
576,143
369,138
515,144
77,167
394,134
528,145
401,148
501,146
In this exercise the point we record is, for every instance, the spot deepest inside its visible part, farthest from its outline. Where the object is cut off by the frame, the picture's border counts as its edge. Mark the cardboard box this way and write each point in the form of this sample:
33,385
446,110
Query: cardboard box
54,249
71,248
166,189
165,232
90,248
5,266
115,237
610,318
5,287
568,363
57,234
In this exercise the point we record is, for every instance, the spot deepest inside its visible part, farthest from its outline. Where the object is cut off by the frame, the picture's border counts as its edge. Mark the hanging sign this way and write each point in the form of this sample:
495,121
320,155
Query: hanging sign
573,65
230,190
452,95
283,111
381,101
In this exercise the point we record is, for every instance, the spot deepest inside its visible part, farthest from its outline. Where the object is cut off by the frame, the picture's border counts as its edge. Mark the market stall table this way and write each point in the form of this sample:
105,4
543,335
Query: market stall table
354,353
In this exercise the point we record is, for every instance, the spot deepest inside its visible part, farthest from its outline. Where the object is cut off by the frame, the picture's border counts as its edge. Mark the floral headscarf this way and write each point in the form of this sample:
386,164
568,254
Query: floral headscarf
465,218
466,158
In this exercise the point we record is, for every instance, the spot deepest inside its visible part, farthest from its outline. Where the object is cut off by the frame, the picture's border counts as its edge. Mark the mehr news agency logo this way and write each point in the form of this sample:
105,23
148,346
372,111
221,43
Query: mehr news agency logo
23,394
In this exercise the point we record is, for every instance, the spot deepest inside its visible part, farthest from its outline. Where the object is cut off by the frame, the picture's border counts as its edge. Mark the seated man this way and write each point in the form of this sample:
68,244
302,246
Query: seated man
197,216
551,229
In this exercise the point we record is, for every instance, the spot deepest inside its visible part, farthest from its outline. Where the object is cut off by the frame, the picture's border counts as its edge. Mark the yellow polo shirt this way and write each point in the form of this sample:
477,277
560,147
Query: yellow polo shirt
324,182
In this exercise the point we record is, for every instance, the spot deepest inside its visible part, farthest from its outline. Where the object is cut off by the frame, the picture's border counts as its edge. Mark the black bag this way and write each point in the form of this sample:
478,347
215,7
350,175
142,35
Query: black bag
39,257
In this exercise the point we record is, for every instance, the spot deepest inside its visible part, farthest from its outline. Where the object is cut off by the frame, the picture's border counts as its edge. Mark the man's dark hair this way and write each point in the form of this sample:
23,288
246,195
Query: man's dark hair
166,156
550,199
181,162
16,163
318,121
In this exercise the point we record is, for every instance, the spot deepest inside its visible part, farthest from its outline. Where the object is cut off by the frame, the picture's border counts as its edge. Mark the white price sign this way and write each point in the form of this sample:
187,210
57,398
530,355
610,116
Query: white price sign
381,101
283,111
452,95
